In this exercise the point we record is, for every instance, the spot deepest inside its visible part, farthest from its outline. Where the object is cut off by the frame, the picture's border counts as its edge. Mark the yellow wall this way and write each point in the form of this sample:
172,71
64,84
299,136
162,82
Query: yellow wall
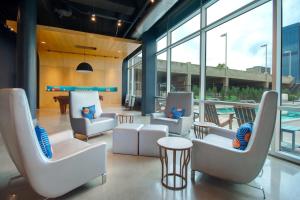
59,69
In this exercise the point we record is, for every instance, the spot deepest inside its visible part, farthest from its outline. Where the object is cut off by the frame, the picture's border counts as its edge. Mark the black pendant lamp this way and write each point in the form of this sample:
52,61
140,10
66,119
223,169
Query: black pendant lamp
84,67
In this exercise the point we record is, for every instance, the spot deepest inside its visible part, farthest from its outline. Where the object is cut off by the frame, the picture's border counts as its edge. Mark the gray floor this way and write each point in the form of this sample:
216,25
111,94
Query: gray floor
133,177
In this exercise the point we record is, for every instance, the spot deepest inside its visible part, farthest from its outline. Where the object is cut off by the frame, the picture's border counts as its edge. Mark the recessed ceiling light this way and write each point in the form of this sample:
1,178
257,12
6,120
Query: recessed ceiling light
43,42
93,17
152,1
119,23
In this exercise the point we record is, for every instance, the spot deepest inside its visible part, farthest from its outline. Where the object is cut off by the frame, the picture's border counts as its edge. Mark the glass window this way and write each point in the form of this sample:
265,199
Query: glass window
186,29
161,75
135,75
239,57
161,44
185,66
290,80
222,8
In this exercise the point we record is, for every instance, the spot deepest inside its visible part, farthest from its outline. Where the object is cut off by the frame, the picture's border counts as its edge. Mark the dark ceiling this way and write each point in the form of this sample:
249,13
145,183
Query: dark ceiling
76,14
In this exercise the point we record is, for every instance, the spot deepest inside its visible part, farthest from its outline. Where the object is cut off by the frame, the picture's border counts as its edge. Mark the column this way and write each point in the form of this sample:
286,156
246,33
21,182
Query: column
148,73
26,51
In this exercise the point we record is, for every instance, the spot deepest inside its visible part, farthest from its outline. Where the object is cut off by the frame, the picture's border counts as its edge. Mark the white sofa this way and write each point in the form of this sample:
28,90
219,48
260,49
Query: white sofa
81,125
73,164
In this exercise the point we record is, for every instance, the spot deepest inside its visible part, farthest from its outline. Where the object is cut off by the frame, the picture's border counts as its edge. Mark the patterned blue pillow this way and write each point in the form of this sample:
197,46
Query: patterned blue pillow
242,136
43,139
177,113
89,112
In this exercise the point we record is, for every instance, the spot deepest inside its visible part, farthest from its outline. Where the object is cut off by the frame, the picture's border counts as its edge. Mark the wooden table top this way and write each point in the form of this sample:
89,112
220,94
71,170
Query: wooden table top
174,143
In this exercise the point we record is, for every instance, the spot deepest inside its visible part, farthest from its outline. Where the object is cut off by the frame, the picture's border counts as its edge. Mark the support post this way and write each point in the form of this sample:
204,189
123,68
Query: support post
26,51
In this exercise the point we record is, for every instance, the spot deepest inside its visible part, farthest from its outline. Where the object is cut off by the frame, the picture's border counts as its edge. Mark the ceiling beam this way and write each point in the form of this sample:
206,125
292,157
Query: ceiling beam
108,5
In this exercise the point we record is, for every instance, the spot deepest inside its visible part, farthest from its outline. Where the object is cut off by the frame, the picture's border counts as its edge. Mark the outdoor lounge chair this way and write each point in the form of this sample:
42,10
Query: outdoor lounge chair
244,114
211,115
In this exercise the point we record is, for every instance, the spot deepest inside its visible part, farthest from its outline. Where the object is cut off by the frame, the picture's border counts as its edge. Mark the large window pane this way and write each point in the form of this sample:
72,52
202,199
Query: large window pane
222,8
161,44
186,29
290,81
239,57
161,75
239,63
185,70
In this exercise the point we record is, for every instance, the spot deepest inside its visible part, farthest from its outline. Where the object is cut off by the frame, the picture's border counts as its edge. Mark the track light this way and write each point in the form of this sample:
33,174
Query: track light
93,17
119,23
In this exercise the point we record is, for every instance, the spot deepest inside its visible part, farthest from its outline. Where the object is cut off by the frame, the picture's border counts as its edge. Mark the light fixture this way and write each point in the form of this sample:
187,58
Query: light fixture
12,29
119,23
84,67
43,42
152,1
93,17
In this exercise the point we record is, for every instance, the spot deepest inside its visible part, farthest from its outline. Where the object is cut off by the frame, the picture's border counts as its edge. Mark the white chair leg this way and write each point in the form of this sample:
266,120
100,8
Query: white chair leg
193,172
259,188
103,176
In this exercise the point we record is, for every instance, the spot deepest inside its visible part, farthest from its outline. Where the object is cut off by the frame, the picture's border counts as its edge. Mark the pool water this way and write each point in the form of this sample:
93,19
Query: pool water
285,116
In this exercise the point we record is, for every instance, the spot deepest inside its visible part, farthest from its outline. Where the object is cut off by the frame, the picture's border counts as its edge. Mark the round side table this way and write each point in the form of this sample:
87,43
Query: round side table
201,128
174,178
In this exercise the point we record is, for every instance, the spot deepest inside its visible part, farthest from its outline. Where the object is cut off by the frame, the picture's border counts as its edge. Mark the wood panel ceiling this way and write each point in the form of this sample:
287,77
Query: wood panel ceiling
63,40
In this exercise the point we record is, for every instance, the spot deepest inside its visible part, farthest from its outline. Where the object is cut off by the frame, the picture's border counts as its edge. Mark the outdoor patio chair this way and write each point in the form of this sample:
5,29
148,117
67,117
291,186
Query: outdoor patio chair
211,115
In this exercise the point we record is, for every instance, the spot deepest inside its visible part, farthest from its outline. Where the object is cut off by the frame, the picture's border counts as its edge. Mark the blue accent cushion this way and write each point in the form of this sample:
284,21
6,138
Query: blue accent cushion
43,139
242,136
177,113
89,112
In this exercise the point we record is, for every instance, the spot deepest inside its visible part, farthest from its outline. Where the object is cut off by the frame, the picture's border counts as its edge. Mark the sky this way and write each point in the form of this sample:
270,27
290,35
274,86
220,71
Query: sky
245,35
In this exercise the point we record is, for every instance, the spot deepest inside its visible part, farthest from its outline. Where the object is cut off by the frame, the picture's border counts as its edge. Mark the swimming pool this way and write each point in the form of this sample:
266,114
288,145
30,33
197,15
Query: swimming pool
285,115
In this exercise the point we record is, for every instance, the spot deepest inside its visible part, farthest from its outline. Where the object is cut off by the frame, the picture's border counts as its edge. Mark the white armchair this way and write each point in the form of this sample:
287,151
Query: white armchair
81,125
74,162
215,156
180,126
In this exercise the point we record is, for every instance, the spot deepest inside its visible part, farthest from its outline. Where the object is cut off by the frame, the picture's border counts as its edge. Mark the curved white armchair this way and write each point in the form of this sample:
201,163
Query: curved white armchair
103,122
179,126
215,156
73,163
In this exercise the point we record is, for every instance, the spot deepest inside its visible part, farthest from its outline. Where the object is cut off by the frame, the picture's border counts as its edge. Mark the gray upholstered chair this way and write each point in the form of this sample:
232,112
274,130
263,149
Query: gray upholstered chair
73,164
215,156
84,126
180,126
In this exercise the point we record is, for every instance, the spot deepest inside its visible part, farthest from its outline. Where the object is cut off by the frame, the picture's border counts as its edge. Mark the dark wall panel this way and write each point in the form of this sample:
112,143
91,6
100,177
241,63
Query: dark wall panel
7,58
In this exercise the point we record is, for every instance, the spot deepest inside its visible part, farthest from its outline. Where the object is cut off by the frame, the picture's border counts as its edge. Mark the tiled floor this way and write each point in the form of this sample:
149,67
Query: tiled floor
133,177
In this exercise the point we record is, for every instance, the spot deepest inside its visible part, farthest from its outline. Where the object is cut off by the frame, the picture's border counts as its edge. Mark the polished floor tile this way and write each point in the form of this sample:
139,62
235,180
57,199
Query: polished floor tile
137,177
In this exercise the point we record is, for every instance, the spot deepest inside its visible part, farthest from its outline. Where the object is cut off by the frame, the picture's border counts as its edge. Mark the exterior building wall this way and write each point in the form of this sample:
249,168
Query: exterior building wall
291,42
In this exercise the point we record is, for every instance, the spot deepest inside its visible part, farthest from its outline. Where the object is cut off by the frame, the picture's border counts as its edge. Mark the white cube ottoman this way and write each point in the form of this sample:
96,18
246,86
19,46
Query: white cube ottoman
125,138
148,136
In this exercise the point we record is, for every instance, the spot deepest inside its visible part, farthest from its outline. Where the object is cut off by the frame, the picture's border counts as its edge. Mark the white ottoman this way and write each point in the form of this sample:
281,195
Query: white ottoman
148,137
125,138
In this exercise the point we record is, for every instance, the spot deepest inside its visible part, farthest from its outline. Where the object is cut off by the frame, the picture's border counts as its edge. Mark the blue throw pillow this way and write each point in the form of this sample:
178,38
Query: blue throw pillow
242,136
89,112
43,139
177,113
